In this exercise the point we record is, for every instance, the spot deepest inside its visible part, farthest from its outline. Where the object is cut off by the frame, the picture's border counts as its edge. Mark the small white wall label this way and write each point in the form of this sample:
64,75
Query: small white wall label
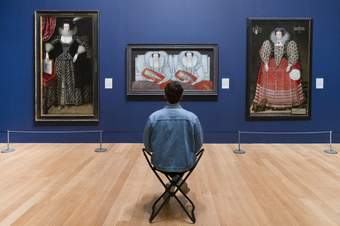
225,83
319,83
108,83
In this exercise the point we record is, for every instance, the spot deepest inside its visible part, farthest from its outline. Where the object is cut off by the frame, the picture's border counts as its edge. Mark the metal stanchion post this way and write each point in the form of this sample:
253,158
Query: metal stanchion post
331,150
239,150
8,148
101,149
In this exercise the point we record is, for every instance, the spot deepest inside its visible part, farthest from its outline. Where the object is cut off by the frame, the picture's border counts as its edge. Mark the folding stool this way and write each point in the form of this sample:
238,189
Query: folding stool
176,183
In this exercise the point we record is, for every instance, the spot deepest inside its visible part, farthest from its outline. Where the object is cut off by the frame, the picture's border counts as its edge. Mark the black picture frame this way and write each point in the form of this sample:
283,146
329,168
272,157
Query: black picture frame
46,86
259,30
208,51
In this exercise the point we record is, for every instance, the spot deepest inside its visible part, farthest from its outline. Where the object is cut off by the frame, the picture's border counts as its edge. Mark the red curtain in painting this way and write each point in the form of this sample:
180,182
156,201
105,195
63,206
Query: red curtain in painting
48,27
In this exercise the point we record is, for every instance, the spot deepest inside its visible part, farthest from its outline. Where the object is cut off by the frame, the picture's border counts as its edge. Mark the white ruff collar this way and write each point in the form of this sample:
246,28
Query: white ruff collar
69,33
279,42
190,61
155,62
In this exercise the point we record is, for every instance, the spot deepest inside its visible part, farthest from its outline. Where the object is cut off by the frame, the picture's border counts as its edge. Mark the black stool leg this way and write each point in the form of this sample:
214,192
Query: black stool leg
155,210
192,215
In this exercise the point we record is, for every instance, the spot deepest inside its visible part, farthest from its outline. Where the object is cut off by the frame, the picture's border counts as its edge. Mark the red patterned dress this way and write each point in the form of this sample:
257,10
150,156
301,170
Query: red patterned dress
279,87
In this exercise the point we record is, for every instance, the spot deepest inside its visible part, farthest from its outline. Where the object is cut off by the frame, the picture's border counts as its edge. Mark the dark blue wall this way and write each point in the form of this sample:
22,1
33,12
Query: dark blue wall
170,21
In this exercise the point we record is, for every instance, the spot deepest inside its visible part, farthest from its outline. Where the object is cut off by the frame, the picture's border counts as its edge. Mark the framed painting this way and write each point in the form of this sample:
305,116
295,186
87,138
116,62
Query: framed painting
151,67
278,69
66,66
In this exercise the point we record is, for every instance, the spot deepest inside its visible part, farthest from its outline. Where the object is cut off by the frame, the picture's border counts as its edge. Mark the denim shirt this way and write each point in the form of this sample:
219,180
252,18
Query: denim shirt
173,135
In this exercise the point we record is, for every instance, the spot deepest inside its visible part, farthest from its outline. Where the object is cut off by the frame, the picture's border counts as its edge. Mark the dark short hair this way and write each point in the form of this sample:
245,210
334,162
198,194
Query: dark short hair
173,92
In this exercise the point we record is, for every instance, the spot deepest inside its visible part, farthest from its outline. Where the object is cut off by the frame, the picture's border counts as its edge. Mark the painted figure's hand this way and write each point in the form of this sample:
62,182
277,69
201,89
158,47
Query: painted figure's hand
288,67
266,67
197,81
81,49
75,58
48,47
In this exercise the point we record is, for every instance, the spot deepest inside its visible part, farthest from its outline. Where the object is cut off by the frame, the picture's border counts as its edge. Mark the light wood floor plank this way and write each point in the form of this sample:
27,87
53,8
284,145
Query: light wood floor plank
70,184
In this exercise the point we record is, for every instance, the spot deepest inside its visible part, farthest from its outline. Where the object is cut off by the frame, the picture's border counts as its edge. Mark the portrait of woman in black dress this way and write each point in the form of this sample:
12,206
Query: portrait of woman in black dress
68,59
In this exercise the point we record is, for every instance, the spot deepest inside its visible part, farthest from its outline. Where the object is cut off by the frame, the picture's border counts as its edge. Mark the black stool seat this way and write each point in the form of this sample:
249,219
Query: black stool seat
175,182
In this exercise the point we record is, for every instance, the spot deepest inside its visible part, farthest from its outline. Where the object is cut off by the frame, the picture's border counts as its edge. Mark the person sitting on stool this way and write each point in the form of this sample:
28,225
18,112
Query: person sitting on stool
173,135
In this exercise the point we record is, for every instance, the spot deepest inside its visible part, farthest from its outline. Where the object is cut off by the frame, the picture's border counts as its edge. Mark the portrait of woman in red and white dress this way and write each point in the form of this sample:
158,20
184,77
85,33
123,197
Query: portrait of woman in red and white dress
281,78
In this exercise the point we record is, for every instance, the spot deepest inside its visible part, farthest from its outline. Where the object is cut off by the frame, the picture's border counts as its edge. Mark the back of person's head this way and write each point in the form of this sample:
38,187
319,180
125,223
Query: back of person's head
173,92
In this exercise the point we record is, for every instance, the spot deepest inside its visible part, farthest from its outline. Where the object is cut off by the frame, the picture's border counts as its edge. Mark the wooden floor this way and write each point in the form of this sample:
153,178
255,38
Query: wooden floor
70,184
